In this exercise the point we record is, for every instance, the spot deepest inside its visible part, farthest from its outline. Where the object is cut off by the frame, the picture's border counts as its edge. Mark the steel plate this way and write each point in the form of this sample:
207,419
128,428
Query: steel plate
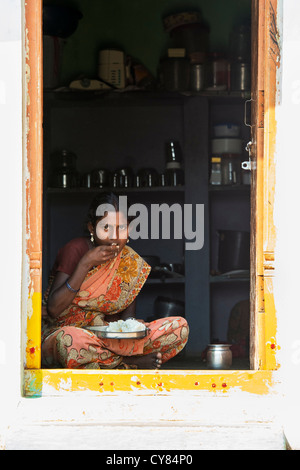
101,331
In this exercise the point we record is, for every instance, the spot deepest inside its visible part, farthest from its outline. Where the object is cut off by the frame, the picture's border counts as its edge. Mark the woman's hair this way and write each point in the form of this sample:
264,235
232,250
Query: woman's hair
103,198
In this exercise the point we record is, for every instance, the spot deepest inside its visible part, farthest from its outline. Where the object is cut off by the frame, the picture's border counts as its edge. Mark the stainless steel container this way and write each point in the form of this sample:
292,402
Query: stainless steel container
197,77
219,356
240,76
175,73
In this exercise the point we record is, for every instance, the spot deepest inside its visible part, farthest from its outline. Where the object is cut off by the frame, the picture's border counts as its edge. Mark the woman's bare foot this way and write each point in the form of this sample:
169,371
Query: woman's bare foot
147,361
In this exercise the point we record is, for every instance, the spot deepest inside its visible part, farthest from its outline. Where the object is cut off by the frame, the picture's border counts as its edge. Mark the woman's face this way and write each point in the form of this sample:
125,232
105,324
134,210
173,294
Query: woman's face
112,229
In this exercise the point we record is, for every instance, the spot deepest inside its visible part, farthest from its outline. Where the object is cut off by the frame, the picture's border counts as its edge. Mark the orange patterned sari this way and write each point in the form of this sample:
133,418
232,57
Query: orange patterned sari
108,289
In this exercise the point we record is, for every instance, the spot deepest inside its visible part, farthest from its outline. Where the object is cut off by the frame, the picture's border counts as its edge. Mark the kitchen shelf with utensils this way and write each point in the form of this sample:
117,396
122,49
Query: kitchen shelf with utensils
121,131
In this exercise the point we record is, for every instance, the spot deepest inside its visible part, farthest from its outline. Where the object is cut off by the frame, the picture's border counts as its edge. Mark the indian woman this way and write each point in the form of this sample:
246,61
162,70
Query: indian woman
95,281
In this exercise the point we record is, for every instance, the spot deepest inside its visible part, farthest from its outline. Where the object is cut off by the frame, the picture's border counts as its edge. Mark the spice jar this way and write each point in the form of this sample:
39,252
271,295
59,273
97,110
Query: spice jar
216,173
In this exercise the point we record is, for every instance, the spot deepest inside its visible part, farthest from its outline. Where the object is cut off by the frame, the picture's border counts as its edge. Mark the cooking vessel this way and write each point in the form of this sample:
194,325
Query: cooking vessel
174,177
234,250
86,180
173,152
100,178
123,178
60,21
219,356
197,77
64,174
175,73
65,178
166,307
240,76
148,177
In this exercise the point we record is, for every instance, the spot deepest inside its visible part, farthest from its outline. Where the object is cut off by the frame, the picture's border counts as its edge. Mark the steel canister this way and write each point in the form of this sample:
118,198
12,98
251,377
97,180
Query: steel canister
219,356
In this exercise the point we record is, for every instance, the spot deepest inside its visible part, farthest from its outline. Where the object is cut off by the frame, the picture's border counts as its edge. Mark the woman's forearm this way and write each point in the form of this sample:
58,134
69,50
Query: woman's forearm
61,296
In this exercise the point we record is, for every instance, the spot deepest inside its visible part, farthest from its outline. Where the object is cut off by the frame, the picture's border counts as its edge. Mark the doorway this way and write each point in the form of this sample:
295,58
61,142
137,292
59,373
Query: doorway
98,130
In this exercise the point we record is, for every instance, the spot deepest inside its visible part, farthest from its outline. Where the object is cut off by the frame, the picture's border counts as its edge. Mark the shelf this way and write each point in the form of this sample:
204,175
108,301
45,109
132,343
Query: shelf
228,187
115,190
223,278
134,97
178,280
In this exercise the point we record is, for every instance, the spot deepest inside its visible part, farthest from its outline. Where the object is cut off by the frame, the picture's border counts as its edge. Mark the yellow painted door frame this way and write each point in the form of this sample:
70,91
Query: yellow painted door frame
263,321
265,65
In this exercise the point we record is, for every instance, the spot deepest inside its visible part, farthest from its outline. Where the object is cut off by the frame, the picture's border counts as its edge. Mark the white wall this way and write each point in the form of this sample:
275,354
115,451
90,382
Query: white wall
11,205
287,257
287,216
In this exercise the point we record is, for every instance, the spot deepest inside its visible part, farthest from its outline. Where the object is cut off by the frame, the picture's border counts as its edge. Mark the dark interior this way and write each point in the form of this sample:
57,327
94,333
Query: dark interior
131,129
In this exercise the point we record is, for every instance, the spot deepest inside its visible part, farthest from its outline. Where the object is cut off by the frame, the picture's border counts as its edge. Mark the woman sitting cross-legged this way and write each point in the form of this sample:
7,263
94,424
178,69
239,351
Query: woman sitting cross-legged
94,282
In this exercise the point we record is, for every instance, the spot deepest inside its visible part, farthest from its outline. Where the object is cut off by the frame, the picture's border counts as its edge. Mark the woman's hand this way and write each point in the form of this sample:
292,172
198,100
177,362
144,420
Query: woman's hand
99,255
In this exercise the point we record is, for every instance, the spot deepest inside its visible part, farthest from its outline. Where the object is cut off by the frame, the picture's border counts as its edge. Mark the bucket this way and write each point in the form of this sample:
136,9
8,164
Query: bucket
234,250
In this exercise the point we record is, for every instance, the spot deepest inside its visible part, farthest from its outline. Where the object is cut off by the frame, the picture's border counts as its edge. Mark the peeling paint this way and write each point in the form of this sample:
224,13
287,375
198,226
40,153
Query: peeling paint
39,382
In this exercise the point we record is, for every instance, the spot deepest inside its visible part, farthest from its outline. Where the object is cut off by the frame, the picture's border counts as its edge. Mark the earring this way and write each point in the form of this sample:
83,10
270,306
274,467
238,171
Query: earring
127,240
92,237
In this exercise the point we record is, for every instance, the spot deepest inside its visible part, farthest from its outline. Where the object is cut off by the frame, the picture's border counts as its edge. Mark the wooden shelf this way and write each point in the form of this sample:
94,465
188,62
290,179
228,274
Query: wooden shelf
161,281
228,187
221,279
134,97
115,190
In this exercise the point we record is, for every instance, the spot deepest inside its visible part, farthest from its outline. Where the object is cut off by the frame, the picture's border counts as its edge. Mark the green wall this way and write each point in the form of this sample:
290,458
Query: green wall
136,27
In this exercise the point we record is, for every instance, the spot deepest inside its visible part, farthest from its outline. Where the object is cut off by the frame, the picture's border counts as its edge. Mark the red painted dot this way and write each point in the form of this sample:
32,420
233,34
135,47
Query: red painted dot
213,385
160,384
32,350
224,384
196,383
101,383
138,383
111,383
273,346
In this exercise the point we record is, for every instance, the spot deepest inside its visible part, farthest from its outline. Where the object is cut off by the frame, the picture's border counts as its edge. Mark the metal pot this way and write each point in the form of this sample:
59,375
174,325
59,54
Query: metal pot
240,76
197,77
123,178
166,307
148,177
65,178
100,178
64,174
234,250
219,356
86,180
175,73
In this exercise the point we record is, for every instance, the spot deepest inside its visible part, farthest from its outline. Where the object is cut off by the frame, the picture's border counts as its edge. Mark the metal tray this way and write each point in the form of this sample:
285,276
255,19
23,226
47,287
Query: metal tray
101,332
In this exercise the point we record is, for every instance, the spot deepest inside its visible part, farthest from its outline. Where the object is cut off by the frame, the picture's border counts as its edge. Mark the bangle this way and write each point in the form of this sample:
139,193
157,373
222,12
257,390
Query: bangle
71,288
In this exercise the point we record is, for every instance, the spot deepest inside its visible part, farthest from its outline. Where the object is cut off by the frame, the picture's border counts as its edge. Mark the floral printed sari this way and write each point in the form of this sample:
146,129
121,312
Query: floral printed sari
108,289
